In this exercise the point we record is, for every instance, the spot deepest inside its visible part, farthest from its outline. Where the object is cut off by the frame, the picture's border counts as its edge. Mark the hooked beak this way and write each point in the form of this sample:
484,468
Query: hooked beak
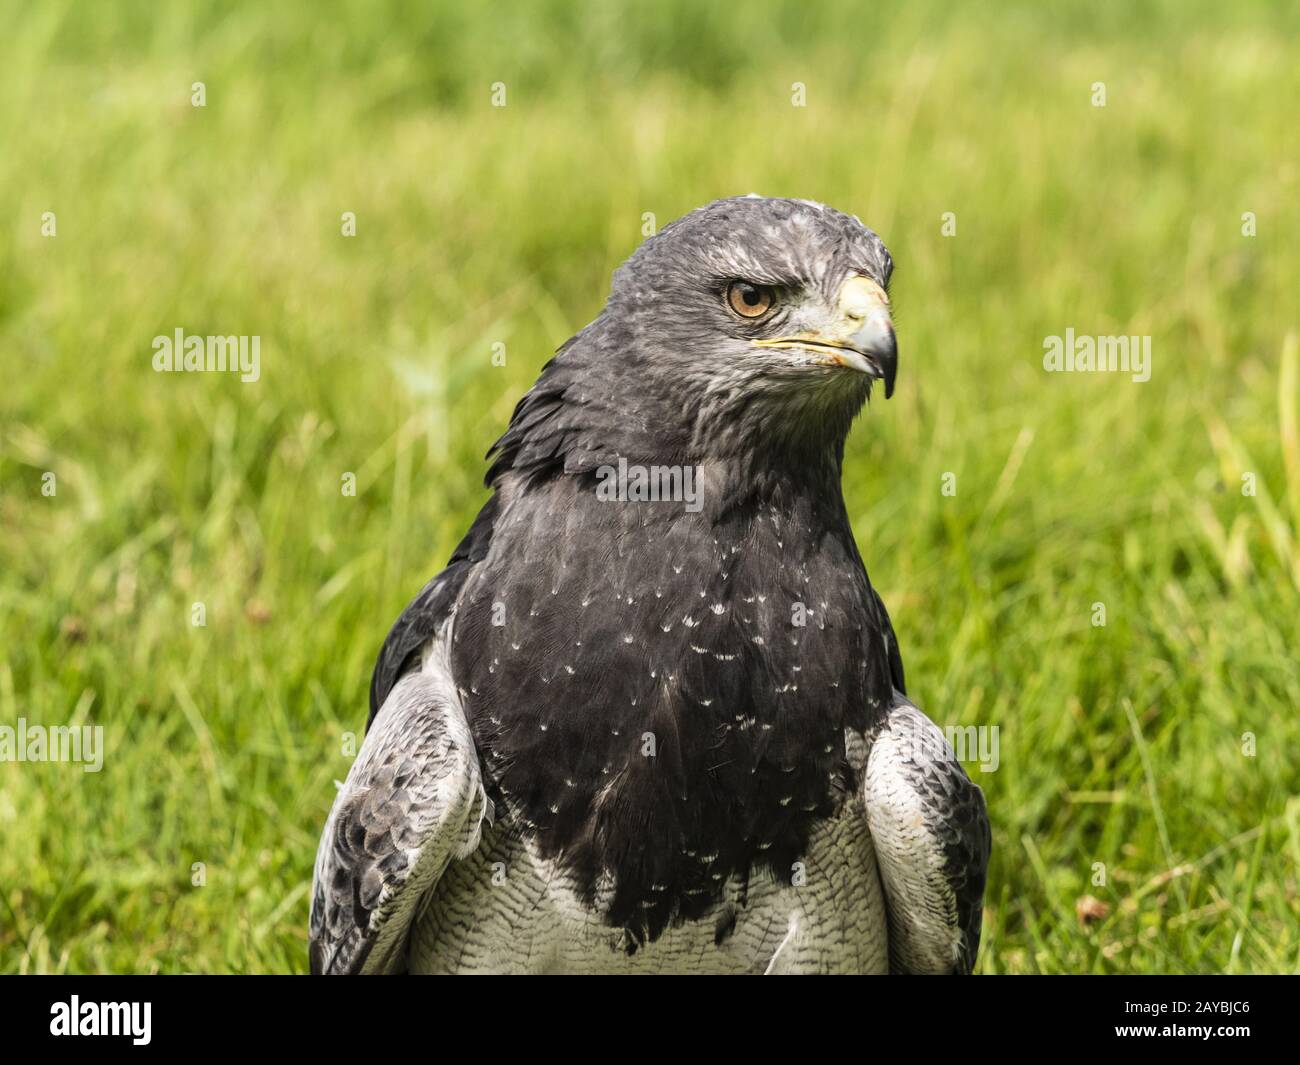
861,336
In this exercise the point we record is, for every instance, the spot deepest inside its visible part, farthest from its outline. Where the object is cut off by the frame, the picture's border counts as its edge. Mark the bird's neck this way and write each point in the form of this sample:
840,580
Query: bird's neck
779,474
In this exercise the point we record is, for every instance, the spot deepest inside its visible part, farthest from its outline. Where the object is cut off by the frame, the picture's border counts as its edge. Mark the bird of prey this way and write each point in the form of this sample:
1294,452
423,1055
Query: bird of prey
632,730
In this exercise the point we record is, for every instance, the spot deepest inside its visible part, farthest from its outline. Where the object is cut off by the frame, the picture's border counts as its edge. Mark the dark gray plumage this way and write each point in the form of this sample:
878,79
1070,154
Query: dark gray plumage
672,708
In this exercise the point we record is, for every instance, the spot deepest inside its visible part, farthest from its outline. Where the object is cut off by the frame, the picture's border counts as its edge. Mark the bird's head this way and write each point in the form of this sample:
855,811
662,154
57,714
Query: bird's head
778,301
746,334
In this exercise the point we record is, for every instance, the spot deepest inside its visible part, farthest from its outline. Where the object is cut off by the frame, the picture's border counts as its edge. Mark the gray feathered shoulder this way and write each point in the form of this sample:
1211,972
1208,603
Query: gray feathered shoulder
412,803
931,831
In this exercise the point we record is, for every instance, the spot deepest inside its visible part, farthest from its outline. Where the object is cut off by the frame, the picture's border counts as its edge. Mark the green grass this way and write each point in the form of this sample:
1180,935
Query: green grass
1120,744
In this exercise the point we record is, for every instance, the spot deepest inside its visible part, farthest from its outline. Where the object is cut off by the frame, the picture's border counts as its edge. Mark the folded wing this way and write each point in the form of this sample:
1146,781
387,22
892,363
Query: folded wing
412,803
931,832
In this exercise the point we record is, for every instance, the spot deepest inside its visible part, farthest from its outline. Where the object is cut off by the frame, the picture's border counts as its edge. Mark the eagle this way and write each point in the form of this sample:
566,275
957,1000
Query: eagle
668,731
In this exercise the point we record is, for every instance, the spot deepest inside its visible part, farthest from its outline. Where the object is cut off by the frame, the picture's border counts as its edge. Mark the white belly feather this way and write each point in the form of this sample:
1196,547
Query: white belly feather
504,910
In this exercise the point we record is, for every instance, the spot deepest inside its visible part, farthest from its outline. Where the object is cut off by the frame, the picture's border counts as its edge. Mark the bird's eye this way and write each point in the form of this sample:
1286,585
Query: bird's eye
749,301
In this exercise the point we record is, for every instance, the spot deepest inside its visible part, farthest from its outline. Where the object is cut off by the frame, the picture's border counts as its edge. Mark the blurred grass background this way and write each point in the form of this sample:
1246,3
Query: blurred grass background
476,225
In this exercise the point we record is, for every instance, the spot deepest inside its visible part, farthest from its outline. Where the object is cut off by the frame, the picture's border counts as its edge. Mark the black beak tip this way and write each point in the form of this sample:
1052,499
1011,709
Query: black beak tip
889,369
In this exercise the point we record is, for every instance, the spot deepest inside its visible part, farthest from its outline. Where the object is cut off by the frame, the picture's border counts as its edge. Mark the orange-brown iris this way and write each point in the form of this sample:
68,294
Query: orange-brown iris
749,301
